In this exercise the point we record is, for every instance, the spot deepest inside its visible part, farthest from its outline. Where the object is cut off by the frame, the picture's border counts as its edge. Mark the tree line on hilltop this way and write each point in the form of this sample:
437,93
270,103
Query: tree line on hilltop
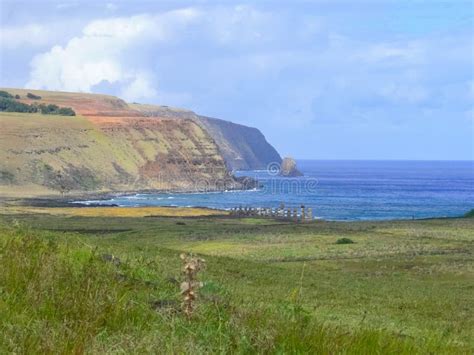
9,103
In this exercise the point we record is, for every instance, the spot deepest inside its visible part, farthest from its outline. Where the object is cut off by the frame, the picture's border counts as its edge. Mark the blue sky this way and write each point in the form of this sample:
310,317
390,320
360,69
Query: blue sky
321,79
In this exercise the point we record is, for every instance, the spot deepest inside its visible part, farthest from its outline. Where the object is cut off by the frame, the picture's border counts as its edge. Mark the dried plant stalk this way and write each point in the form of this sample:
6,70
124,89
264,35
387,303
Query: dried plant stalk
190,286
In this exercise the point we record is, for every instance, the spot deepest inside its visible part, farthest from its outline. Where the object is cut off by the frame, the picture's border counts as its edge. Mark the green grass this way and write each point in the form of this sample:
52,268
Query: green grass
270,287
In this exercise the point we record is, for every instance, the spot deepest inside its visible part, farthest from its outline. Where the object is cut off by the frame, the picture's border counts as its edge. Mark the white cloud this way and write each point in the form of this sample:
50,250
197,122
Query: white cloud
139,87
101,54
113,50
77,67
30,35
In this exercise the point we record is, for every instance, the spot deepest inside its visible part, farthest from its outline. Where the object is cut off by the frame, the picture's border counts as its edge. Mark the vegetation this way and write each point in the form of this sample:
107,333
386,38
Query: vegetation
470,214
344,241
55,110
33,96
269,286
8,103
6,177
190,286
6,95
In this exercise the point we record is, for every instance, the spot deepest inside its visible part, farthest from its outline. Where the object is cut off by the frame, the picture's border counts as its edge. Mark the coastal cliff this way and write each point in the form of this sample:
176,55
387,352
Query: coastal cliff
243,148
112,146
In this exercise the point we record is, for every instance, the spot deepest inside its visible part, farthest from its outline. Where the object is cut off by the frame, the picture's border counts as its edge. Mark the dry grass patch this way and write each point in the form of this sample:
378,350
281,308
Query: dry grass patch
117,211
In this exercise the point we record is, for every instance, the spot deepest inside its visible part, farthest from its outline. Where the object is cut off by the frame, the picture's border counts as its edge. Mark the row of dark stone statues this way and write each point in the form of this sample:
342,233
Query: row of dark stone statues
301,214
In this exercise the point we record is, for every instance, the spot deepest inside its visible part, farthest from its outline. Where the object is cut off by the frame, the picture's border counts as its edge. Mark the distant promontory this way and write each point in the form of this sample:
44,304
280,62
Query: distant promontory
289,169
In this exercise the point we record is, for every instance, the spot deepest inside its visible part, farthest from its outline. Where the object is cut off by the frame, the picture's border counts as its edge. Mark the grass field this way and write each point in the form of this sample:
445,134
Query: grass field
269,286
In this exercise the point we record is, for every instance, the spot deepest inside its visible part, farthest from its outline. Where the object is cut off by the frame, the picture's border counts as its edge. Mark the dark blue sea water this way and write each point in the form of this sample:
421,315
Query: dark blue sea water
345,190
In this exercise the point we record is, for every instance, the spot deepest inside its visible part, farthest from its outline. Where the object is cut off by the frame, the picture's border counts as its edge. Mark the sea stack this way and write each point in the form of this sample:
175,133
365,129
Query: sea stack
289,169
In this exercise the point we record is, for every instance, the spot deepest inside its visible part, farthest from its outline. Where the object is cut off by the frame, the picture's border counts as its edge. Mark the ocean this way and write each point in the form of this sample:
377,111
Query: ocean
344,190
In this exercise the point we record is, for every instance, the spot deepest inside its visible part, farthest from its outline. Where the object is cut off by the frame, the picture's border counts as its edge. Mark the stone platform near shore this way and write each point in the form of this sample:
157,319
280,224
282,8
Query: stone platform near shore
301,214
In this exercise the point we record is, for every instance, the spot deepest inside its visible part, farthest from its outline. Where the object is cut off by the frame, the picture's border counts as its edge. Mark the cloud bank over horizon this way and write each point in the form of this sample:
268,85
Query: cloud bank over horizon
325,80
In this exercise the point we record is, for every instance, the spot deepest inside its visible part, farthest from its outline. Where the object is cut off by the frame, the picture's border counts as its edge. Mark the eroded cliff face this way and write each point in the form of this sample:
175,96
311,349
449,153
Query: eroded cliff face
243,148
108,146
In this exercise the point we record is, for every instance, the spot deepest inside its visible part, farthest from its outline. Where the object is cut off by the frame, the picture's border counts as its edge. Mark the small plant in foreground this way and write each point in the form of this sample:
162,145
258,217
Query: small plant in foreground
344,241
190,286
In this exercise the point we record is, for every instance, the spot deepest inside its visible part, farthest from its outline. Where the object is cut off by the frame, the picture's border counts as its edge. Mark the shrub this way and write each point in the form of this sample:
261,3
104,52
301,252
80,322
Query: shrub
17,96
344,241
10,105
52,109
470,214
33,96
66,111
6,94
48,109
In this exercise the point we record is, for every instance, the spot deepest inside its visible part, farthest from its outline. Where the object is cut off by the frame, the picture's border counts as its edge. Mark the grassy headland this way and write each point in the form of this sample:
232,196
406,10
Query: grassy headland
270,286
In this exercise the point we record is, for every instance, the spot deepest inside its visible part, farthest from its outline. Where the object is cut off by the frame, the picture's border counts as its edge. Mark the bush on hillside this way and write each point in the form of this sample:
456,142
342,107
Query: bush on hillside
48,109
52,109
66,111
33,96
11,105
6,94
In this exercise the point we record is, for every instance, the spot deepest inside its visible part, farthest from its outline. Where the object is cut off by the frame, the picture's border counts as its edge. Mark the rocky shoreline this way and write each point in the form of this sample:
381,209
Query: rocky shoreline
74,199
